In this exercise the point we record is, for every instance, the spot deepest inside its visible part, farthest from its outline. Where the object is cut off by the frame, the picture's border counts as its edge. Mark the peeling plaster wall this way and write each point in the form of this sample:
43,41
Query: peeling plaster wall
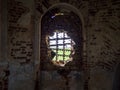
101,22
19,45
103,43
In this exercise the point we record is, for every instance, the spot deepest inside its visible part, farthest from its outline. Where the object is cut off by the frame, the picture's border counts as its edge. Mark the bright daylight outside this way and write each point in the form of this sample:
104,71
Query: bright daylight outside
62,45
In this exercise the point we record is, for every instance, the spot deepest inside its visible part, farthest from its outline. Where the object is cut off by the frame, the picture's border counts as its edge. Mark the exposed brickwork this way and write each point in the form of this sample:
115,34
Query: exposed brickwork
15,10
104,34
102,25
101,20
20,42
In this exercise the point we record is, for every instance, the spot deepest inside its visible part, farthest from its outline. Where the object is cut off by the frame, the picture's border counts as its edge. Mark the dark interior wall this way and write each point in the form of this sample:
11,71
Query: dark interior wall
0,28
19,33
52,80
116,81
101,23
20,44
4,72
3,30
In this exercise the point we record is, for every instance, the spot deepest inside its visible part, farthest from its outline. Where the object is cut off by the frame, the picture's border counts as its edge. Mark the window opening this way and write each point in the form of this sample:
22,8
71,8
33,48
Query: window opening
62,48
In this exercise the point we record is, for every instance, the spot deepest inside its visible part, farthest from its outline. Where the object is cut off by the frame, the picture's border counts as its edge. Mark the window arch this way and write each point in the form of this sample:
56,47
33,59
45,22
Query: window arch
57,18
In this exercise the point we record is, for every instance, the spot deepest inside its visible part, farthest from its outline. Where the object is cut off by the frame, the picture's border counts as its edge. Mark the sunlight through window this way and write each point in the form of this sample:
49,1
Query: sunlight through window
62,46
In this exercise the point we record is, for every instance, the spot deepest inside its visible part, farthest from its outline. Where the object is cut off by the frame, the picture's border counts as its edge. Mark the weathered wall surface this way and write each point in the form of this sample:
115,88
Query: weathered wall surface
101,23
19,36
52,80
20,44
4,72
116,81
103,43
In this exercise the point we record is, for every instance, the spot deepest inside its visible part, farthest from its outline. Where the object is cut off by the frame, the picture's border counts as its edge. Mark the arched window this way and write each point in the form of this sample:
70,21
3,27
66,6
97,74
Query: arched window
61,37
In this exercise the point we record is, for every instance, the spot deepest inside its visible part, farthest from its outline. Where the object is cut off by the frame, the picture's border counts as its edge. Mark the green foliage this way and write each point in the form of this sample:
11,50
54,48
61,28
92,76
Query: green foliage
62,54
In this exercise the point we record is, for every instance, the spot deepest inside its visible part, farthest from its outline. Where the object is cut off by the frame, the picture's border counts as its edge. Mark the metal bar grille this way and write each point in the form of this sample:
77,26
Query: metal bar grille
58,45
60,49
61,44
63,47
59,38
